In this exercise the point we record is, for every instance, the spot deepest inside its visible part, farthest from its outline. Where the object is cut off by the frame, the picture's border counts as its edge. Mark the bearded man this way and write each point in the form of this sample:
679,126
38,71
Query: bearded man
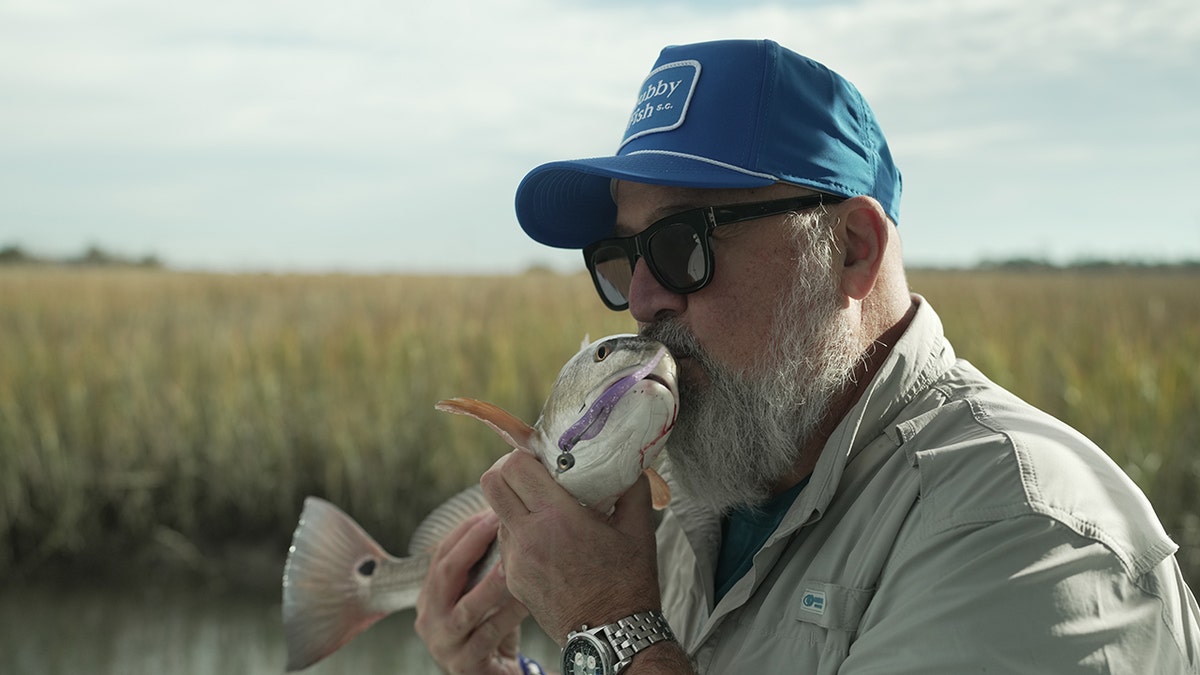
851,497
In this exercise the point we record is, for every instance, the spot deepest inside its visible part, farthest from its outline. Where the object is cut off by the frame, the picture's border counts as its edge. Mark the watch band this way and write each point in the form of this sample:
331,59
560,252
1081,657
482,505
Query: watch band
634,633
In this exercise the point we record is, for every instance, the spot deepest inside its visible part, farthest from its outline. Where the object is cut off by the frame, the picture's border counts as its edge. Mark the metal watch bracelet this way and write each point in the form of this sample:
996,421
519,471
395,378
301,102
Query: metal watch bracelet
634,633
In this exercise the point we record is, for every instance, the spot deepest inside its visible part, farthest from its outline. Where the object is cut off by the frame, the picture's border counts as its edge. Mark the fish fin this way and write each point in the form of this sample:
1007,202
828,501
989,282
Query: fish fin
660,492
324,595
442,520
513,430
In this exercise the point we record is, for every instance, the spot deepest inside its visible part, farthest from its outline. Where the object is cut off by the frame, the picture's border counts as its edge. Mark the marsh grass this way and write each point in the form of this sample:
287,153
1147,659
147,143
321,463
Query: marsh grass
150,416
1112,353
182,410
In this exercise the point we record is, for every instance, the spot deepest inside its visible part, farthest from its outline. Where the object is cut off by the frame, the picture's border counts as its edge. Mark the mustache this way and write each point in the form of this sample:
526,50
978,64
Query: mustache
676,338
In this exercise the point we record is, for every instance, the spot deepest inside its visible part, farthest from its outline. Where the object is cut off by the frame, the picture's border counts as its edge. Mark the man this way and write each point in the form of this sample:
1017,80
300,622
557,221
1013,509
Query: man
851,498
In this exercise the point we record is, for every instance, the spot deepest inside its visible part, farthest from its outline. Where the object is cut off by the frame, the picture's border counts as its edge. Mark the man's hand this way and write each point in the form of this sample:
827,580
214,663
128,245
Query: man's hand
479,632
568,564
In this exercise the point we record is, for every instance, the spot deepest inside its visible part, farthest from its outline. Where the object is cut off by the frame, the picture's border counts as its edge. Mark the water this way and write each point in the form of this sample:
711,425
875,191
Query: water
167,631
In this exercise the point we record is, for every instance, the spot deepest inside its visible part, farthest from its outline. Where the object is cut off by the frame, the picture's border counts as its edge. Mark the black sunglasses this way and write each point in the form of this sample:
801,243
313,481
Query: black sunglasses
678,248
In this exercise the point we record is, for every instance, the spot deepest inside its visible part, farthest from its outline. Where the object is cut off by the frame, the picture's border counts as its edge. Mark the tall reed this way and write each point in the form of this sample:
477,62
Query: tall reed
171,412
1113,353
140,406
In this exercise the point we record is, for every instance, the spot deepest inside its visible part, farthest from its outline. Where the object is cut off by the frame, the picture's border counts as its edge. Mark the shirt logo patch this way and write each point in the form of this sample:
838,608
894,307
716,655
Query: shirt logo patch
662,101
813,601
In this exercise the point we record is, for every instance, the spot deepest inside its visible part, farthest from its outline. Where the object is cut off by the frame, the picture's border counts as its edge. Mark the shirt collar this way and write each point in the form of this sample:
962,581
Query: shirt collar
920,357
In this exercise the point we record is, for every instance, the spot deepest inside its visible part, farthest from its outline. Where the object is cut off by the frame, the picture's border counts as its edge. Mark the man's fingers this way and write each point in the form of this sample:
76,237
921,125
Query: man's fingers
477,604
497,492
456,555
504,483
483,624
521,485
477,631
501,613
497,633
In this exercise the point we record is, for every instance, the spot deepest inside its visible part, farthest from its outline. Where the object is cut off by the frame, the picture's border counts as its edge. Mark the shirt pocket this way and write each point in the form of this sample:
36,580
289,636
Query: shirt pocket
810,635
827,617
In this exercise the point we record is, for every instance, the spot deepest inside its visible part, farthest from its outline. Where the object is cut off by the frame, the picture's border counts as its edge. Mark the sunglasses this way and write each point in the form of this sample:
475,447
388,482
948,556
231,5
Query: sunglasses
678,248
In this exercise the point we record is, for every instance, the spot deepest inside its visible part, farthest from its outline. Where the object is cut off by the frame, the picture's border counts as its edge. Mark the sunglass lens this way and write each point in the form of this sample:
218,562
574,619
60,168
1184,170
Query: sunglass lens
679,257
613,274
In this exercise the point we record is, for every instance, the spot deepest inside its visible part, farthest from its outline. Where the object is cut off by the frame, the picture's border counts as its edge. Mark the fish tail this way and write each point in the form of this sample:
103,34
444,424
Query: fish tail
327,583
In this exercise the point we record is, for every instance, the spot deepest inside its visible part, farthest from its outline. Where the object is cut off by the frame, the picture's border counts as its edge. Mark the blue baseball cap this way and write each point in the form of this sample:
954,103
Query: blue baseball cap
725,114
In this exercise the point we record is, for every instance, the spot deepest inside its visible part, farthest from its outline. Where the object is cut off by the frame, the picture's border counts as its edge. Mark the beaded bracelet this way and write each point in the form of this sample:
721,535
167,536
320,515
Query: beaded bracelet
529,666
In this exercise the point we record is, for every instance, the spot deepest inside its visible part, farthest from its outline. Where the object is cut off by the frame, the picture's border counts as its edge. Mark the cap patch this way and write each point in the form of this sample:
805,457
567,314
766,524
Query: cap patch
663,99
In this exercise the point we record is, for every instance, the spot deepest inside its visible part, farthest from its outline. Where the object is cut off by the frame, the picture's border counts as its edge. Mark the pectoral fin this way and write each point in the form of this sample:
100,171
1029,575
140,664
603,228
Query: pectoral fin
513,430
660,492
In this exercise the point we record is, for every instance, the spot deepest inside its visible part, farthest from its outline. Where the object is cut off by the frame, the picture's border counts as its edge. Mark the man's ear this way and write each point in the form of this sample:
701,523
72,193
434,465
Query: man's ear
863,231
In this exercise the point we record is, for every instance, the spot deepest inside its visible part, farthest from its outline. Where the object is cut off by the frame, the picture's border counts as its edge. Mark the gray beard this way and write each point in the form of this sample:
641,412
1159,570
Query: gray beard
738,434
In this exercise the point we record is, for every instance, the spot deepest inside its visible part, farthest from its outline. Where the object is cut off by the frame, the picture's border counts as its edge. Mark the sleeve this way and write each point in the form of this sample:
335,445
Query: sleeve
1023,595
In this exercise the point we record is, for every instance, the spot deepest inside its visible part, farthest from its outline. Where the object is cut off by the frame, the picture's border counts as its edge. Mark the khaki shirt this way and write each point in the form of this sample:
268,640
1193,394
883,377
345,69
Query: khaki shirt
950,528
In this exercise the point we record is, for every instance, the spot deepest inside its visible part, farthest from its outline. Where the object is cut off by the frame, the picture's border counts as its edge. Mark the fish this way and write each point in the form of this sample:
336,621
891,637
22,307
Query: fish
605,422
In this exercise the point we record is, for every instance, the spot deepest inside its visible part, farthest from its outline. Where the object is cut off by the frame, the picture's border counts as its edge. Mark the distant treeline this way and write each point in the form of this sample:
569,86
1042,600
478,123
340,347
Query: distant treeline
1099,264
94,256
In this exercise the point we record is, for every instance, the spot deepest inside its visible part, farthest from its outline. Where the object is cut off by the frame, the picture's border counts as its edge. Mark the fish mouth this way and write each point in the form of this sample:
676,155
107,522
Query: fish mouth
654,377
665,383
660,369
664,373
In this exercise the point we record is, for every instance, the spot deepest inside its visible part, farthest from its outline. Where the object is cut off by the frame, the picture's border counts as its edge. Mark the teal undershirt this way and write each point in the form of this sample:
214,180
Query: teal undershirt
743,533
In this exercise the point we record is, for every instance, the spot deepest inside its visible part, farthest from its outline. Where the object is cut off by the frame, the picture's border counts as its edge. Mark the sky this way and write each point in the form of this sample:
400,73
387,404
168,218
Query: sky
390,135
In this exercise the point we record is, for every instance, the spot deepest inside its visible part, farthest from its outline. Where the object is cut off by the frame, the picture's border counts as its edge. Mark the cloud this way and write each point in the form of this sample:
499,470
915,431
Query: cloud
390,122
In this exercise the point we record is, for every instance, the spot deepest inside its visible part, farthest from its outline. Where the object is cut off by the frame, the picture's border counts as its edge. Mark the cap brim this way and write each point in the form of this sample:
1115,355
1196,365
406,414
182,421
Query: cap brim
569,204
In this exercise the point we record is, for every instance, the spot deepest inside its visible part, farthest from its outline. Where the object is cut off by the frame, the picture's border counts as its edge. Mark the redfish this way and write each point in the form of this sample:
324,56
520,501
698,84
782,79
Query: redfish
605,422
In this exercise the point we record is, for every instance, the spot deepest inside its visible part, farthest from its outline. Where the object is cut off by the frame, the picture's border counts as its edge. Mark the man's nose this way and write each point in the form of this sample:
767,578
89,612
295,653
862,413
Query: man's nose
648,299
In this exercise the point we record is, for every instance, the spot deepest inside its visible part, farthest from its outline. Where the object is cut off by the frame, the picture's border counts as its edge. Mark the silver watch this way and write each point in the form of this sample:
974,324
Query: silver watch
608,649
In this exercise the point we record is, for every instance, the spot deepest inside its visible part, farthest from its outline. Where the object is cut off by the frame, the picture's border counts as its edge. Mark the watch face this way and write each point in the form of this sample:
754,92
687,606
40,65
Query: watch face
582,657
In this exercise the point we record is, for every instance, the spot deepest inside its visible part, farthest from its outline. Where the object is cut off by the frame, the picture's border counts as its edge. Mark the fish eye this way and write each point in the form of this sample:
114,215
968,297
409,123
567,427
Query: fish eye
602,353
565,461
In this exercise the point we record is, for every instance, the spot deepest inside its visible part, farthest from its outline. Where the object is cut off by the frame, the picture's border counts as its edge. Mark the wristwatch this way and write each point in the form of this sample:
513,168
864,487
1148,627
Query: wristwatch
608,649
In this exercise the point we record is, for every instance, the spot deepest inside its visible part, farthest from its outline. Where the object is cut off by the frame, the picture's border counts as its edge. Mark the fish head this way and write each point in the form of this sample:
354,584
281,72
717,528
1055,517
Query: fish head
608,416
